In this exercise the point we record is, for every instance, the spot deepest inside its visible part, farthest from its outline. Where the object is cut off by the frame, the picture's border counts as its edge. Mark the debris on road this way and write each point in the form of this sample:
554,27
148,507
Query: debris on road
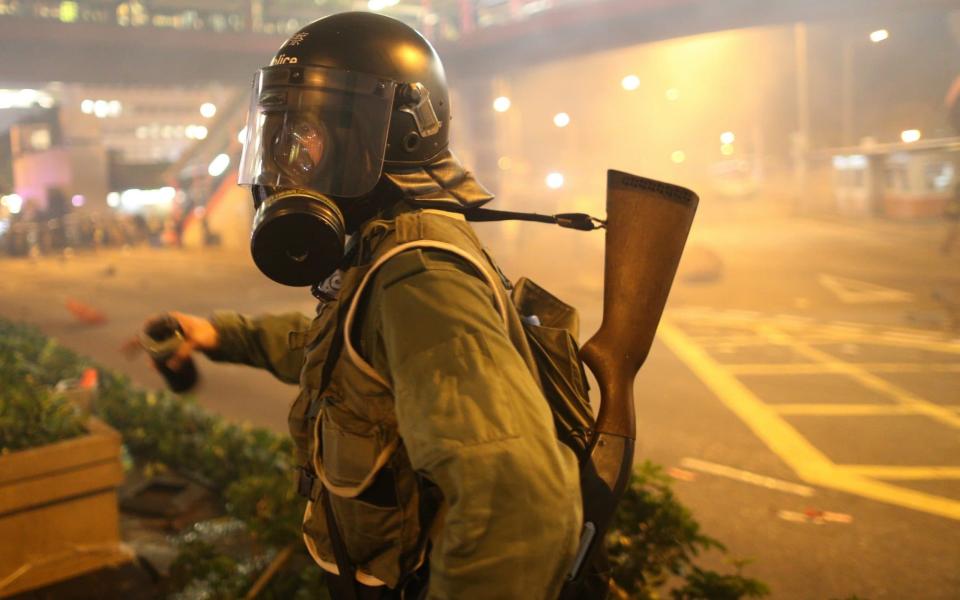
85,313
681,474
815,516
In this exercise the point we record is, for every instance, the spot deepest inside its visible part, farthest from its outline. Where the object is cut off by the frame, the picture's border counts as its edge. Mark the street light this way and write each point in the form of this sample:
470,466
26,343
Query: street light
910,136
208,109
381,4
630,82
218,165
555,181
501,104
847,84
13,202
561,119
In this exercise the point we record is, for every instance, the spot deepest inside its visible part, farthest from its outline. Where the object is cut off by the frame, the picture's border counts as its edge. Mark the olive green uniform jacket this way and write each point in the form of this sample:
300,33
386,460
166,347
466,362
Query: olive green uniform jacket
431,389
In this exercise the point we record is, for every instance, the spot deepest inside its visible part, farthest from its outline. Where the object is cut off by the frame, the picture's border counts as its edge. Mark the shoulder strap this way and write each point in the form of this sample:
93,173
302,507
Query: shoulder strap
345,576
354,302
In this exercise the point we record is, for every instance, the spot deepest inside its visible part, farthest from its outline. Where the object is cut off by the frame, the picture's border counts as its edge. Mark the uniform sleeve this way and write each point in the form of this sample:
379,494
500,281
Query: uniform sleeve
260,341
474,421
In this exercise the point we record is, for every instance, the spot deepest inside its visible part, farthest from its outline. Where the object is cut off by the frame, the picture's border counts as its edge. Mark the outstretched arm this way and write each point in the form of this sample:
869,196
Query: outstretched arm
474,421
260,341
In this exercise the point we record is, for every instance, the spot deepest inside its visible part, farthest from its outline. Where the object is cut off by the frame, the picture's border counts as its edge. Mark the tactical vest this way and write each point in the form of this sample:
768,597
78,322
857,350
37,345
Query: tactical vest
343,421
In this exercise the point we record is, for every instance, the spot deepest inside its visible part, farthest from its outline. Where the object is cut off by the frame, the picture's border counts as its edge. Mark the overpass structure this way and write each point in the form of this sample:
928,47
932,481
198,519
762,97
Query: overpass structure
129,45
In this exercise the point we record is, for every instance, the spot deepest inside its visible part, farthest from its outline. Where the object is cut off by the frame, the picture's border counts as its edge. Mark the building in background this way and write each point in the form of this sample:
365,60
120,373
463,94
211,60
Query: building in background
801,106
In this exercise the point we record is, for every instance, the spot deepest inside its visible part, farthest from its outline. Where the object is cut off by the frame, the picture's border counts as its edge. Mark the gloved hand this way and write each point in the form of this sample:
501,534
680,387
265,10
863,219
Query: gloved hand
170,339
198,334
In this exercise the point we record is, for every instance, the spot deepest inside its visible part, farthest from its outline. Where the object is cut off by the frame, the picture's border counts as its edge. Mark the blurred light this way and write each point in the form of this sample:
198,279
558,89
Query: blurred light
630,82
24,98
561,119
68,12
910,135
196,132
555,181
208,109
879,35
726,149
199,212
678,156
381,4
101,108
242,136
40,139
853,161
504,162
141,132
218,165
727,137
672,94
113,199
78,200
501,104
135,199
13,202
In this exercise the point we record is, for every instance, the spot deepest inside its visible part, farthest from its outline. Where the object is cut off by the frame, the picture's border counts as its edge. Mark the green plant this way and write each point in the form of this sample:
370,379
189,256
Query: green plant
654,539
31,413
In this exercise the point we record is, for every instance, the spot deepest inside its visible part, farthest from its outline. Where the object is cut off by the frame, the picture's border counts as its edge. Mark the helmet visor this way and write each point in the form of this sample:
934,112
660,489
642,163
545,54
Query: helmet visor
315,128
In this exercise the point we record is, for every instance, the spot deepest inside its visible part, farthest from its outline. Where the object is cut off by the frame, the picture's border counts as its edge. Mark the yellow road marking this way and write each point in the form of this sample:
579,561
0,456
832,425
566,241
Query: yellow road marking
808,463
839,367
865,378
819,333
753,340
843,410
902,473
892,339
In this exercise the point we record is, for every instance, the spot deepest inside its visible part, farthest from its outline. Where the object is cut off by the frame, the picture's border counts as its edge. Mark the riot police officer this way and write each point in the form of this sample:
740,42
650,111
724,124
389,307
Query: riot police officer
426,445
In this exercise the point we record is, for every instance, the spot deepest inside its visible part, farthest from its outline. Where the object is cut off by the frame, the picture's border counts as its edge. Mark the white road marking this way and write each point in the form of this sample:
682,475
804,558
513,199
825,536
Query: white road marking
853,291
695,464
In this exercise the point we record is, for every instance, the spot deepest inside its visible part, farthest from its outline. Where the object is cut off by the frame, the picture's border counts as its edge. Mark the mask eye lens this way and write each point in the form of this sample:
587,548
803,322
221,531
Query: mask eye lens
299,149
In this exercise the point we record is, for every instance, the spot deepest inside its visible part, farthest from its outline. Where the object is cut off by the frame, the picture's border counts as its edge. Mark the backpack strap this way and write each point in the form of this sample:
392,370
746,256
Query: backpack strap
384,456
345,575
355,301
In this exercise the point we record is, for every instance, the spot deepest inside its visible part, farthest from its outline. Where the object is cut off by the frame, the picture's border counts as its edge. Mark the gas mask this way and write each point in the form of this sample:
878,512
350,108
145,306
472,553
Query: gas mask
315,145
298,235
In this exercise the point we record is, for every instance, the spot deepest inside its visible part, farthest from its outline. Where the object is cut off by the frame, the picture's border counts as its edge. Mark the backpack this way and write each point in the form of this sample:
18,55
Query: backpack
552,327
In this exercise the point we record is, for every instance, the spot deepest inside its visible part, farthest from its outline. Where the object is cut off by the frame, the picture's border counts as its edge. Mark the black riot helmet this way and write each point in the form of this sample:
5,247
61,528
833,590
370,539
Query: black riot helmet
344,98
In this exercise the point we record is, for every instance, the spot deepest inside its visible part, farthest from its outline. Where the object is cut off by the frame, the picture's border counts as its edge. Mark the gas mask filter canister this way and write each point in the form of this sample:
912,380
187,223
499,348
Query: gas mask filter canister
298,237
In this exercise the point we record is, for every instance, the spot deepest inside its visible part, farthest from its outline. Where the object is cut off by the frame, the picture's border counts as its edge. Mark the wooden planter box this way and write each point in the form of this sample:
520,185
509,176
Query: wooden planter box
58,510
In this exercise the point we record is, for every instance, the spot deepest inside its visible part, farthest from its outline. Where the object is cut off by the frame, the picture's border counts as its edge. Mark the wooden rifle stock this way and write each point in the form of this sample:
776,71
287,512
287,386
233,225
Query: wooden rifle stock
647,226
